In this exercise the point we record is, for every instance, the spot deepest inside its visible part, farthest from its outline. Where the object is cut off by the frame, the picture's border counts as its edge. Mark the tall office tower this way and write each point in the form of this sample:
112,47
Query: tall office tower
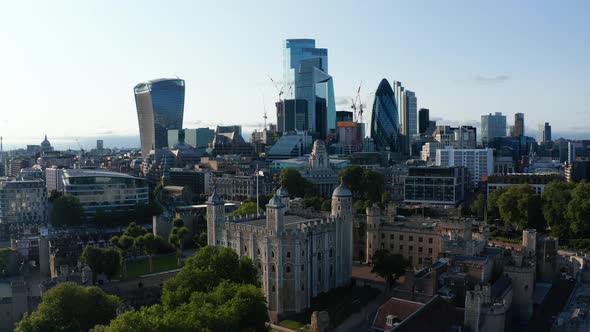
306,69
544,134
292,115
160,107
384,119
99,144
518,129
423,119
492,126
407,106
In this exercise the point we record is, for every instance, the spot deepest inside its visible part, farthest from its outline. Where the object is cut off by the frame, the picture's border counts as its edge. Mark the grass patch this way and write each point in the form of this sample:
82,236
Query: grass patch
141,267
294,325
340,304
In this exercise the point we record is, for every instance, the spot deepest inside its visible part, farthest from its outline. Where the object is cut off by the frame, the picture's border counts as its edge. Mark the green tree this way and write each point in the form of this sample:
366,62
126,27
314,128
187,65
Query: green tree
123,244
373,183
556,196
134,230
297,186
200,239
203,272
177,236
578,209
99,260
352,177
389,266
150,246
493,198
326,205
69,307
245,209
520,207
67,211
478,205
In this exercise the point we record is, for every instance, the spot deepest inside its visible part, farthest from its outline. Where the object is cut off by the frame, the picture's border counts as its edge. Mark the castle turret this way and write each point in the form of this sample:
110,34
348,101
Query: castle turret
529,242
275,214
283,194
215,218
342,202
342,214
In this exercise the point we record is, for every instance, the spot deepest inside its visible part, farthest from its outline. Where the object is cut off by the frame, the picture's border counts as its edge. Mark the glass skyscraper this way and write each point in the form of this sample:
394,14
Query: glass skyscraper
160,107
306,69
408,115
492,126
544,134
385,119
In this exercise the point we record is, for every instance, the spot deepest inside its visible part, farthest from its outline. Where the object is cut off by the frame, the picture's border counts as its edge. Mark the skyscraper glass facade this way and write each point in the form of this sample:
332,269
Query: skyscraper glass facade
423,119
492,126
384,119
160,107
306,69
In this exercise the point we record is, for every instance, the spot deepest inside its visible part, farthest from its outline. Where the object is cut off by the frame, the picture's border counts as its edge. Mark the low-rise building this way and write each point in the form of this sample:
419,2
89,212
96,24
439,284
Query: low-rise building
436,185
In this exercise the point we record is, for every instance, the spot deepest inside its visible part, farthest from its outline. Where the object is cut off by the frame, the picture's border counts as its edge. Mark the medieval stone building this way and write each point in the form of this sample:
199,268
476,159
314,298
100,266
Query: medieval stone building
297,255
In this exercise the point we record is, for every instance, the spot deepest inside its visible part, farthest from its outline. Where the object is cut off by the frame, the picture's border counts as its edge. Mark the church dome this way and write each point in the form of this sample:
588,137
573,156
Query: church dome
45,142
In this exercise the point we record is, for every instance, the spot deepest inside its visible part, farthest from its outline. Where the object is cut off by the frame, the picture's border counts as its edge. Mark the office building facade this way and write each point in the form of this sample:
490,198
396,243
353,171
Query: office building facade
479,162
544,133
292,115
436,185
104,191
385,119
423,120
492,126
197,137
408,115
518,128
160,107
23,201
306,69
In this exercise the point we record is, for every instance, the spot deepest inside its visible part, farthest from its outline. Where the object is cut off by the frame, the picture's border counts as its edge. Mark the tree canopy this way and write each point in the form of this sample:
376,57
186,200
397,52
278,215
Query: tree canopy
214,291
100,260
556,196
578,209
389,266
246,208
520,207
364,183
70,307
296,184
67,211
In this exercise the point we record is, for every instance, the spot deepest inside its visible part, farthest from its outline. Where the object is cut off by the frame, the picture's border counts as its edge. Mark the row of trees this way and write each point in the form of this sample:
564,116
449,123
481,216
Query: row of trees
216,290
564,207
365,184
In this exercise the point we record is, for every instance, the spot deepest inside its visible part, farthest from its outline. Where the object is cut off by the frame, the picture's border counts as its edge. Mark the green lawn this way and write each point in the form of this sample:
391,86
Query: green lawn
140,267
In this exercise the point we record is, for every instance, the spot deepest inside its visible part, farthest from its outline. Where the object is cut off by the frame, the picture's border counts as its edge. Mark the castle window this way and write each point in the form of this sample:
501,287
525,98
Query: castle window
419,249
272,254
273,268
320,274
382,235
302,267
319,256
273,289
331,270
430,240
302,253
411,238
420,239
288,269
391,246
401,247
302,287
369,245
411,248
401,237
288,254
245,249
419,260
258,251
331,253
259,265
391,237
382,245
430,250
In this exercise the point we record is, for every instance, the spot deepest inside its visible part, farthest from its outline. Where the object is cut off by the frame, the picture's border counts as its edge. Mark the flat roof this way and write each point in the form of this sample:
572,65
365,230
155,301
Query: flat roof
71,173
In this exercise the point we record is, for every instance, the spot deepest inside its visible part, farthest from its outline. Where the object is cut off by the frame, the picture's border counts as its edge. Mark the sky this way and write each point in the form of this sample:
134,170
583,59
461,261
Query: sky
69,67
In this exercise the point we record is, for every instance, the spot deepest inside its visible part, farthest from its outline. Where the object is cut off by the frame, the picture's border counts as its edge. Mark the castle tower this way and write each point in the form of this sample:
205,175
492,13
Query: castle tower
373,221
529,242
215,219
275,215
342,216
283,194
473,303
318,159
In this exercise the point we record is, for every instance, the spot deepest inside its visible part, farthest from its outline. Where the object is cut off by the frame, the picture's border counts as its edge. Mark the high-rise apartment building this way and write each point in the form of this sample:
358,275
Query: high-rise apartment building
423,120
160,107
384,119
99,144
306,69
492,126
518,128
22,201
544,134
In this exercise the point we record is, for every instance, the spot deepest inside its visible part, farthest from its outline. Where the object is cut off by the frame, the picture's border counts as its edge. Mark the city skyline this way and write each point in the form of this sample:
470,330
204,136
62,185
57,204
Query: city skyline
503,62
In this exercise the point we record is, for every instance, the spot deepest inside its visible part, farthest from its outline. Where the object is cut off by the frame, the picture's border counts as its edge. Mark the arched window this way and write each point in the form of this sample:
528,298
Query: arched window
245,249
273,289
288,254
273,268
331,253
272,253
319,256
302,253
258,251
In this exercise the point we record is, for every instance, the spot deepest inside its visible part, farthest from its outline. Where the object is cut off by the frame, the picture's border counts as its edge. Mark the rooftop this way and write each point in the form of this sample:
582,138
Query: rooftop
95,173
290,221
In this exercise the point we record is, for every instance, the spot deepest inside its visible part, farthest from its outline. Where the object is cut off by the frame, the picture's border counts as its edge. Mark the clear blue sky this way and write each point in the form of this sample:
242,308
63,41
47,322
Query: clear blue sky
69,67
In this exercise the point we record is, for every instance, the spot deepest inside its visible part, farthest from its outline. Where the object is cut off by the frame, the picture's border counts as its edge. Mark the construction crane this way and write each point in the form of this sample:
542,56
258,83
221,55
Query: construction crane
356,100
279,90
